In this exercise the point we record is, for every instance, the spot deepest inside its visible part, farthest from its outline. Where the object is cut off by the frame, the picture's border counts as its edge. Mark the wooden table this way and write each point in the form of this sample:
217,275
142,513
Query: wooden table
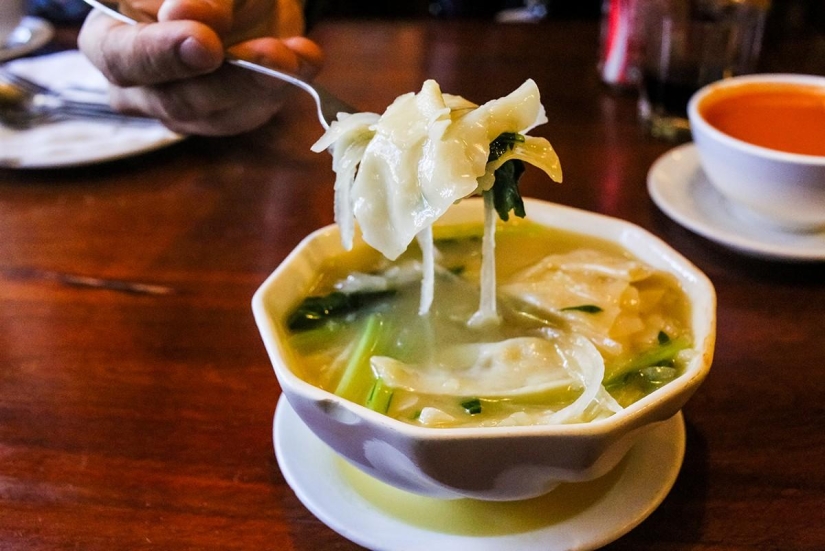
136,408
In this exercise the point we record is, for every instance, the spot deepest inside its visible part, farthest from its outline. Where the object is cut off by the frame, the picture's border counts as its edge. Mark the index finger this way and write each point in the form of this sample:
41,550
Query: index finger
217,14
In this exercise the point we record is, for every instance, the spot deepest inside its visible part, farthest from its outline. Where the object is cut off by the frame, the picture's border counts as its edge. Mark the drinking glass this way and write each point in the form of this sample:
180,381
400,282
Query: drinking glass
690,43
11,13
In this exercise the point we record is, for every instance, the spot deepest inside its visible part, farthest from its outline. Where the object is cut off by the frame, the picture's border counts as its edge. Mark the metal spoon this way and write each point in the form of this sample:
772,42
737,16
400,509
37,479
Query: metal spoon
328,105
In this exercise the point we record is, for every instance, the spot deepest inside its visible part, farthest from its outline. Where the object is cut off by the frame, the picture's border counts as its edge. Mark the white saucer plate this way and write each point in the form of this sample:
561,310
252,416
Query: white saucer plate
75,142
580,516
79,143
31,34
680,188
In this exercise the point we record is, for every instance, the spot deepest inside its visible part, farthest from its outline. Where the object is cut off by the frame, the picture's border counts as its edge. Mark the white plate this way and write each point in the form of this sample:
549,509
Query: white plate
31,34
75,142
580,516
679,186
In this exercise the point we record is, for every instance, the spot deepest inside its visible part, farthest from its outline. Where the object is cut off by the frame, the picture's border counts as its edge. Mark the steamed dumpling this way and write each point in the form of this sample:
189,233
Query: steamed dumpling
563,283
517,366
400,172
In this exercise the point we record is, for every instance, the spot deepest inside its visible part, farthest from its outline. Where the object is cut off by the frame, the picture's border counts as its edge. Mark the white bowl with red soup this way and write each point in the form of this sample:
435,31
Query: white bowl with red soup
761,142
605,332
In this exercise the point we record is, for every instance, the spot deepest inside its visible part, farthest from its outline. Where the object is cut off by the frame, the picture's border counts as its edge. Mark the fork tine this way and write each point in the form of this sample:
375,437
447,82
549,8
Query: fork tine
24,83
26,119
102,112
52,106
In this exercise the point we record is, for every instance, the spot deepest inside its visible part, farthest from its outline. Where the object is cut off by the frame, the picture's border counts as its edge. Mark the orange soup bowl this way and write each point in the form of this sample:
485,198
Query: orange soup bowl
507,462
761,143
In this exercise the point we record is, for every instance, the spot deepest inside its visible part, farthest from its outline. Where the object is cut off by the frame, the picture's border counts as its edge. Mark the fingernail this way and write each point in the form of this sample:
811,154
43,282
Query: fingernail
195,55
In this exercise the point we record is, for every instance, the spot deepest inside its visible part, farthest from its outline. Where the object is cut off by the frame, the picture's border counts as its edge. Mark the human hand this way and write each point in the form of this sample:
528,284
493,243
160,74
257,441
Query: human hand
172,66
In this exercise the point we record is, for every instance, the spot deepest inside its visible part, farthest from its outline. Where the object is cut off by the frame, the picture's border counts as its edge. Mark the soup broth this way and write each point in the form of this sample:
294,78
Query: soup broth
781,116
587,299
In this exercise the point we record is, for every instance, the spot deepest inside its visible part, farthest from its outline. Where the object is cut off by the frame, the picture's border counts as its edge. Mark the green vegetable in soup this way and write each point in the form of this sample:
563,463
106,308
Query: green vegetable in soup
506,195
316,310
379,397
472,406
326,333
504,143
586,308
665,352
357,374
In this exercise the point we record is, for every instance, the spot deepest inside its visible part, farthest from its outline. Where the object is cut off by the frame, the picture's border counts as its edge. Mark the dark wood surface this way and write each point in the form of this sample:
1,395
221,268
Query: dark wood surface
141,419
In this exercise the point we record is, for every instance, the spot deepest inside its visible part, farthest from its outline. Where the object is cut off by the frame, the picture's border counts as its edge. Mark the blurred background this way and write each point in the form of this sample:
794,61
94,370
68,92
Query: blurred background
453,8
788,20
794,28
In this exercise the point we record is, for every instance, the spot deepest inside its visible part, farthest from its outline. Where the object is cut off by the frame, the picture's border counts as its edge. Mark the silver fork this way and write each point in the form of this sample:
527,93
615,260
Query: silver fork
25,103
328,105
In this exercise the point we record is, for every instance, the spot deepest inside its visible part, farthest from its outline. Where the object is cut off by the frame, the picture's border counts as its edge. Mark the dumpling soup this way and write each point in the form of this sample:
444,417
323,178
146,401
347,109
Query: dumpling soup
586,329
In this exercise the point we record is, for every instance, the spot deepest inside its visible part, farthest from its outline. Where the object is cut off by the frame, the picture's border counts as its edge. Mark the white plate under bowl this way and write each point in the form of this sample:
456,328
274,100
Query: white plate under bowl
580,516
680,188
31,34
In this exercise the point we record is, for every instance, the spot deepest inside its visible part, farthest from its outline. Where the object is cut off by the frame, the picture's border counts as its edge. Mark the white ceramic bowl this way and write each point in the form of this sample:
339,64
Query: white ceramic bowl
499,463
786,190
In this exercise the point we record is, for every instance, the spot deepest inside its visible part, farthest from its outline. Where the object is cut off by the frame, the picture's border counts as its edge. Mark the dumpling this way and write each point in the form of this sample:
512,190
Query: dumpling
566,285
427,151
514,367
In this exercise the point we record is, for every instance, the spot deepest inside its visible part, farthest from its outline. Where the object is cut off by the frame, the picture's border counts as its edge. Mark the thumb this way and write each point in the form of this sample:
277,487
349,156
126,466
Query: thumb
146,54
